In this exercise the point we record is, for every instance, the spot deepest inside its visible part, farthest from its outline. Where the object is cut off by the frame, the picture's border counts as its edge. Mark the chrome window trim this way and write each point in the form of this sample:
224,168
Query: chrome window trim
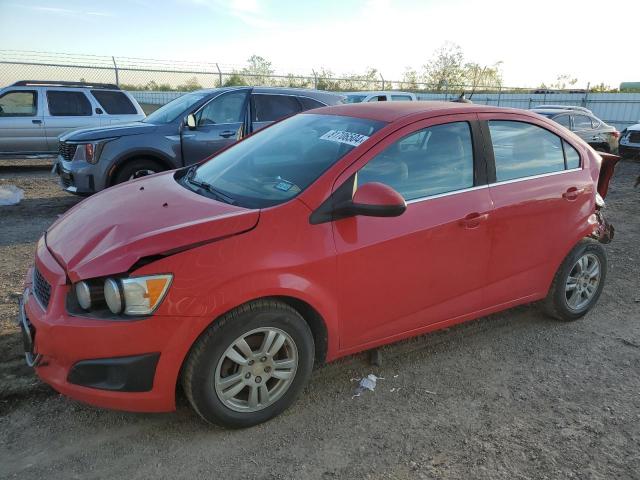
533,177
290,95
446,194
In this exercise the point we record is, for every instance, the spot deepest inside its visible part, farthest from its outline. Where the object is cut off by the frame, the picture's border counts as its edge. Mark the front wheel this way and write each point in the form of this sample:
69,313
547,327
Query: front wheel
578,282
250,365
137,168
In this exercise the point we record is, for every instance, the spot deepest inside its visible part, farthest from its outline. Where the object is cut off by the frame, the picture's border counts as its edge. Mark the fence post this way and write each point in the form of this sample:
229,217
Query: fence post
219,76
115,69
315,79
446,90
586,95
379,73
499,94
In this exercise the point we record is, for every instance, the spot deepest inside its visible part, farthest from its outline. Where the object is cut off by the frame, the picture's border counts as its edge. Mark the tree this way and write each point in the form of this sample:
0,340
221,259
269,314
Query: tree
258,69
480,77
190,85
235,80
409,79
325,81
445,69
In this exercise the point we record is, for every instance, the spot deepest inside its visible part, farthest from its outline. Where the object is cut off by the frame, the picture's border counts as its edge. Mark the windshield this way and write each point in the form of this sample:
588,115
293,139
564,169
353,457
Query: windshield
354,98
279,162
172,110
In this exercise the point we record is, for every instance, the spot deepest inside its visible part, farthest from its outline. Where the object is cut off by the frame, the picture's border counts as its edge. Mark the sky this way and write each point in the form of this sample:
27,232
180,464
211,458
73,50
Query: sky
536,41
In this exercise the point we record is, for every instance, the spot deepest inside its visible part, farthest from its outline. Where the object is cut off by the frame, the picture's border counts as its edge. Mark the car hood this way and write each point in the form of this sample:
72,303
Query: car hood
109,232
99,133
634,128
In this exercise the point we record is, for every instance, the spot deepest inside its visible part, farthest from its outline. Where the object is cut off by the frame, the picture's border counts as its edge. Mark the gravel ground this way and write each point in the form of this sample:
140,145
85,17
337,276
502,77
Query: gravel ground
514,395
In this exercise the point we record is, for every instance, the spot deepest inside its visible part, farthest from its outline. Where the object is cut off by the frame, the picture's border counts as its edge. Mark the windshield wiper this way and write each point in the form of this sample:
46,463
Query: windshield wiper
208,187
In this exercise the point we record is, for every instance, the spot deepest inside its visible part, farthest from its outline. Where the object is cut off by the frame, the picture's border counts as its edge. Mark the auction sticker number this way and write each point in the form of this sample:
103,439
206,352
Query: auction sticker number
340,136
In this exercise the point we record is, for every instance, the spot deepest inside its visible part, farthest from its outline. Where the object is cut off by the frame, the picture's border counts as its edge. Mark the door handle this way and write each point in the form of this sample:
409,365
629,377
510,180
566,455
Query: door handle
572,193
228,133
37,122
473,220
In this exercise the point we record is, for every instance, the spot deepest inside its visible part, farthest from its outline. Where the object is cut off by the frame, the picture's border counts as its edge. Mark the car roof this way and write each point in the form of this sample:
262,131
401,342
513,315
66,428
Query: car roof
320,95
378,92
554,111
392,111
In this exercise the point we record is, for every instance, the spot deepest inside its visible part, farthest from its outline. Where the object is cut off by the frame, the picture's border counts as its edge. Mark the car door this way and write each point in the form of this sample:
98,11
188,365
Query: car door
541,198
268,108
21,122
67,109
398,275
218,123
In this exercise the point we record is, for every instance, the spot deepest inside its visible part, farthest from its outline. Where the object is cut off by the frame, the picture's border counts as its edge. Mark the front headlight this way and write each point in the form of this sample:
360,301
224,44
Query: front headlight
90,152
122,296
136,295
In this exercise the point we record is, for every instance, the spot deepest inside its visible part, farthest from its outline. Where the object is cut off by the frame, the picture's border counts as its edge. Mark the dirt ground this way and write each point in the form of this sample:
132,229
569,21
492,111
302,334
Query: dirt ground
514,395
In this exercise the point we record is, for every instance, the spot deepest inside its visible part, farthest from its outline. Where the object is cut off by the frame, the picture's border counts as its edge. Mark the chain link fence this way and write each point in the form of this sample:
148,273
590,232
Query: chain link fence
156,82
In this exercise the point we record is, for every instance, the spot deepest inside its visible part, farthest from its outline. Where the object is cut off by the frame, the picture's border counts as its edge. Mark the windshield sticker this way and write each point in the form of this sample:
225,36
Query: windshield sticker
340,136
283,185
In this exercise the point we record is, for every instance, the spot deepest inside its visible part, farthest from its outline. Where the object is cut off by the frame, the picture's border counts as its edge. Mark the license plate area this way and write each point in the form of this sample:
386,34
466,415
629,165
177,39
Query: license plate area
28,336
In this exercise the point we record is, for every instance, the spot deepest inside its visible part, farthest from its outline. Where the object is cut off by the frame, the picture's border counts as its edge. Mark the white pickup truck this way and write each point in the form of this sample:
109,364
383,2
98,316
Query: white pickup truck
386,96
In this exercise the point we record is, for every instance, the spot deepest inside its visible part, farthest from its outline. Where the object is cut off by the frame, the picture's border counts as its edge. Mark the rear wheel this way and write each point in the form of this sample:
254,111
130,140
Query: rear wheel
578,282
250,365
137,168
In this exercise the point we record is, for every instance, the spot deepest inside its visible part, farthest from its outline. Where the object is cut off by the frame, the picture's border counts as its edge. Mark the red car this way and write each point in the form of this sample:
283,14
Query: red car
326,234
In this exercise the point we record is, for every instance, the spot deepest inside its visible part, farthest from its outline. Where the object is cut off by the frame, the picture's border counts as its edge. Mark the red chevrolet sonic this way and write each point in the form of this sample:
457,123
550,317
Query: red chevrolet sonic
331,232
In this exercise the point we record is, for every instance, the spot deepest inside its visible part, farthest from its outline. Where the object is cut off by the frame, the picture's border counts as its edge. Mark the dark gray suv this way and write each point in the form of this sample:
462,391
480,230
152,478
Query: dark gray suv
182,132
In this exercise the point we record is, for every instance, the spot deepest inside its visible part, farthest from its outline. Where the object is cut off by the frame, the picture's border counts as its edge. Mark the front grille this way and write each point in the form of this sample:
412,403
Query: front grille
67,150
41,288
634,137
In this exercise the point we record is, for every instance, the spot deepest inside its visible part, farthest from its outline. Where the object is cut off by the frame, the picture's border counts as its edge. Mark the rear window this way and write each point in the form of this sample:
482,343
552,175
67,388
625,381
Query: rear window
68,104
401,98
114,103
309,103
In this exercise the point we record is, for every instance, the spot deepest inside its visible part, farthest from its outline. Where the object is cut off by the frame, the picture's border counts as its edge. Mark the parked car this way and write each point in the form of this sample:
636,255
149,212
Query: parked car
630,141
33,114
180,133
329,233
390,96
585,124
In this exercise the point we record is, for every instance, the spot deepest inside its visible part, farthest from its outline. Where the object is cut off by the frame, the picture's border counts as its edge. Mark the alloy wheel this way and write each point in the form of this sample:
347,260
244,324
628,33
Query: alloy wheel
256,370
582,282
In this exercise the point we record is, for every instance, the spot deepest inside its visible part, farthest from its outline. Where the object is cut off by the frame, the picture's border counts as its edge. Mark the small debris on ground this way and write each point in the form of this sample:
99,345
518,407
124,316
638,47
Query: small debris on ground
366,383
10,195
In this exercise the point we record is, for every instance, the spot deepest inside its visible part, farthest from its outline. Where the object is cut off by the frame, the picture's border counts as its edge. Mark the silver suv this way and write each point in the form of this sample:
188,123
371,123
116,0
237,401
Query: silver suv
34,114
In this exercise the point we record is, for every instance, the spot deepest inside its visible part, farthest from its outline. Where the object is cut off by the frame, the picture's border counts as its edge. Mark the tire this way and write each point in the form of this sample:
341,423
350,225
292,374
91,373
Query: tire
136,168
566,303
211,370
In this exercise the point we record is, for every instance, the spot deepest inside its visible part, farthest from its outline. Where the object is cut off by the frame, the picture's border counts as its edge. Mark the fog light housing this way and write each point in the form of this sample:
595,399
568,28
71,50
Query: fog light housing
83,295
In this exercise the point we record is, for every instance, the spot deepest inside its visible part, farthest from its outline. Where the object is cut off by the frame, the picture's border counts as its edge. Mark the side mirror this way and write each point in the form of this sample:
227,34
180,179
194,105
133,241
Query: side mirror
191,121
375,200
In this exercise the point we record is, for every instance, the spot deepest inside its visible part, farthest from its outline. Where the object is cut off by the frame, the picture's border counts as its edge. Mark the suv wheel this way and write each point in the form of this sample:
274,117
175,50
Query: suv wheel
137,168
578,282
250,365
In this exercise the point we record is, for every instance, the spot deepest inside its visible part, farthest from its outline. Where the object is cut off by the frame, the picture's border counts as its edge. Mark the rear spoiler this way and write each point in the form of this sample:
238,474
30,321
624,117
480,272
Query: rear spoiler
607,168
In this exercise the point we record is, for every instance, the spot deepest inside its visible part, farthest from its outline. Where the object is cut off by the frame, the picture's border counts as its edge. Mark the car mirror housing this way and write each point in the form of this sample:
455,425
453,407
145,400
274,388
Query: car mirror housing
191,121
375,200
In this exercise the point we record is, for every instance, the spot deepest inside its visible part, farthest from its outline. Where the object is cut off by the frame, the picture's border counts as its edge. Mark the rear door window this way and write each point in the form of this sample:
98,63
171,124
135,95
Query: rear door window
572,156
401,98
524,150
269,108
68,104
114,103
428,162
563,120
581,122
19,103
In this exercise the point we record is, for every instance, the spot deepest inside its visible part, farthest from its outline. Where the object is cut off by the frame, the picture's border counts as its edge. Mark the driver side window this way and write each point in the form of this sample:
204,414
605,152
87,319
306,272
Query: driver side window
428,162
226,108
